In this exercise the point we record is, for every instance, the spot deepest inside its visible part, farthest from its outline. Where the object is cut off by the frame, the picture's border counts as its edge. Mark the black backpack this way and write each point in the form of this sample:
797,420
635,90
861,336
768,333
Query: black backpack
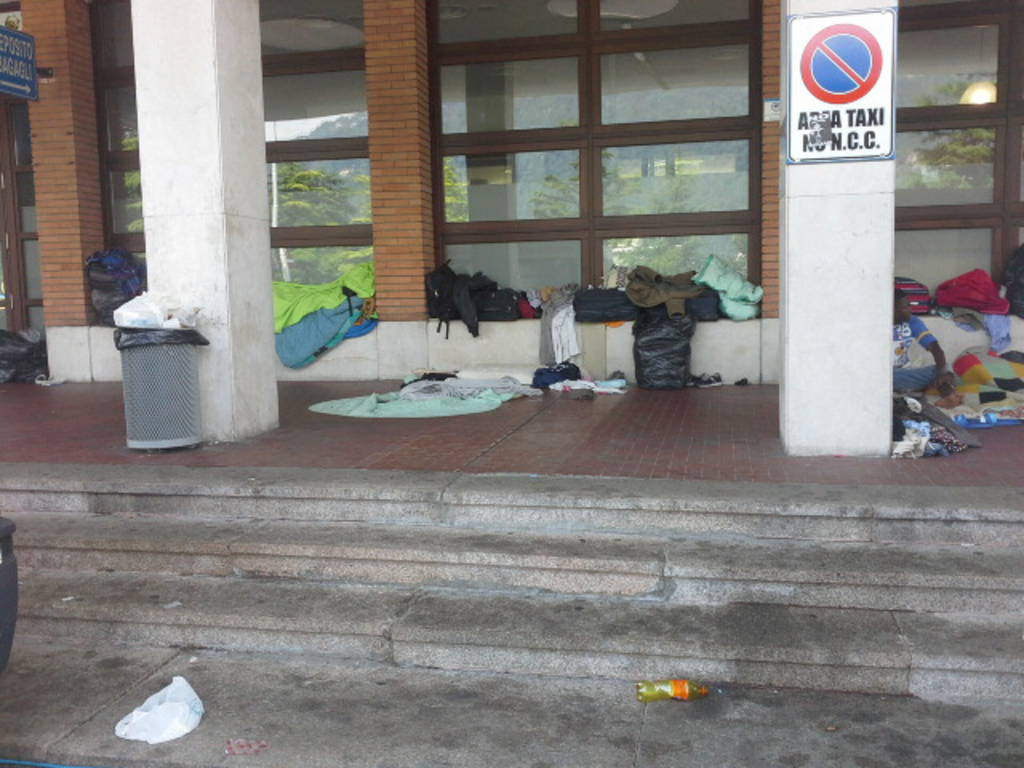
467,287
1013,278
441,296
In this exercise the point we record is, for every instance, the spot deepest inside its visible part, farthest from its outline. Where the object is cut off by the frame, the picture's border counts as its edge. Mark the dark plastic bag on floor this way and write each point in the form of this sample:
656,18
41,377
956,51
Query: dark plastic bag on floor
127,338
22,356
661,349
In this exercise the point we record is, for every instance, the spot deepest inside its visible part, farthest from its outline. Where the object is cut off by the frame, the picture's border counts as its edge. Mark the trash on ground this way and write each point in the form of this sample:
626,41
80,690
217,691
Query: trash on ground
681,690
245,746
173,604
168,714
68,599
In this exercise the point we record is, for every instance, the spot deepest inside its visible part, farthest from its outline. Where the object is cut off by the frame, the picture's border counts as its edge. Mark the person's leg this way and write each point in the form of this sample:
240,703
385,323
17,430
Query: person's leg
912,379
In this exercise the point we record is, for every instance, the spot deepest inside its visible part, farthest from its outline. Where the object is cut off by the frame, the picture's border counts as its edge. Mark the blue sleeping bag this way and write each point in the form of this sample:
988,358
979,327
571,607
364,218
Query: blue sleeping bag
301,344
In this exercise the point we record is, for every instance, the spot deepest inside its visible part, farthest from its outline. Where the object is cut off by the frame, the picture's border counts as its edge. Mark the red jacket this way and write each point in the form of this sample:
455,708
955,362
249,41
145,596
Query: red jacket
975,290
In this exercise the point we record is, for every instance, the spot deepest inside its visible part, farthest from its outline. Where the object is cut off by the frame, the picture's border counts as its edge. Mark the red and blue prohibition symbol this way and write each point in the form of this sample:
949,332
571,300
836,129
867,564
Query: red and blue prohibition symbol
841,63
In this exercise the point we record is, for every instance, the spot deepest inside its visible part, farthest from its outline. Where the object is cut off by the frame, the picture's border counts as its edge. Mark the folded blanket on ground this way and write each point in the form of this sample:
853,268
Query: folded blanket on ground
987,381
391,406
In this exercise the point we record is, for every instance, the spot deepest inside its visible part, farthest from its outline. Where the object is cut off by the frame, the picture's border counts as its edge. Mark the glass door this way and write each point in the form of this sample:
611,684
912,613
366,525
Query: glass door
21,284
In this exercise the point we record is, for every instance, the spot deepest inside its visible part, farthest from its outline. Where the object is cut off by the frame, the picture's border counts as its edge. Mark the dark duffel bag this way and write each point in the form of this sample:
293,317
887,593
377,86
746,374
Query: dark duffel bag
603,305
705,306
501,304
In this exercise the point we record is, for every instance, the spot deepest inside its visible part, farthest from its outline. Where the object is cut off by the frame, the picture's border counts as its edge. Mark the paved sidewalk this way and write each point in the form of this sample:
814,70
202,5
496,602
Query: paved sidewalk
60,704
725,434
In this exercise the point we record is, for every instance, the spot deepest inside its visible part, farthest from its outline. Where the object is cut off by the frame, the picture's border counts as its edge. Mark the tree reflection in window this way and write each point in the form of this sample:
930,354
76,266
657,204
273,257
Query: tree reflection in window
947,167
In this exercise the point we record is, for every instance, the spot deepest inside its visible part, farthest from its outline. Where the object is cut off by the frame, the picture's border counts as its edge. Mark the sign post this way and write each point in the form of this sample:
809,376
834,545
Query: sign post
18,64
840,103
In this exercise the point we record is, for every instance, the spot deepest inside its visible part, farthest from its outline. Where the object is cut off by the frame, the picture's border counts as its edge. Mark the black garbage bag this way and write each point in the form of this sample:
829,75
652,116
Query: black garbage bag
661,348
127,338
22,356
114,277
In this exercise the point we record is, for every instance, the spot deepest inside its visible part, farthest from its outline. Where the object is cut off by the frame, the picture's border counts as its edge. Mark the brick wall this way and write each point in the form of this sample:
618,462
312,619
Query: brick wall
397,82
65,156
771,138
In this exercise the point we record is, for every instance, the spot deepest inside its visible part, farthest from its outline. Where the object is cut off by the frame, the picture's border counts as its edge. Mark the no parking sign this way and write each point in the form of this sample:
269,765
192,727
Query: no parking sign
840,101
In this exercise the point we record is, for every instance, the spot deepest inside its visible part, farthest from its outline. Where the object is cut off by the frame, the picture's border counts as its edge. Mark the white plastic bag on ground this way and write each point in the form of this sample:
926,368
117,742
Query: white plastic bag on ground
166,715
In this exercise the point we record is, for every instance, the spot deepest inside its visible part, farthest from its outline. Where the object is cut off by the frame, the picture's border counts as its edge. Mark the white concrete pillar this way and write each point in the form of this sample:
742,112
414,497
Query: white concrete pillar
836,309
200,110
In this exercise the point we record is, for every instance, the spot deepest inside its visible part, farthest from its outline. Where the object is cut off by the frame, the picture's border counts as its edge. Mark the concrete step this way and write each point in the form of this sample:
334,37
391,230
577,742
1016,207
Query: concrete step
821,648
539,504
346,552
710,569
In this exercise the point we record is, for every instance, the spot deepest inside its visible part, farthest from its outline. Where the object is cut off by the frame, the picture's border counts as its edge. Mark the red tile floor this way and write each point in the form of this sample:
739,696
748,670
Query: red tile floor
727,433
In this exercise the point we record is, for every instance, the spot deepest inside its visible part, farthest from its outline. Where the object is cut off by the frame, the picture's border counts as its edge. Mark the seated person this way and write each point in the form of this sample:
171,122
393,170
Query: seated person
907,329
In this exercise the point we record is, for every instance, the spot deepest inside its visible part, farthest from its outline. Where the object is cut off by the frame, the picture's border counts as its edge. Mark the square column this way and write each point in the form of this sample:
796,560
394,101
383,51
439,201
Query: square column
398,98
199,92
838,222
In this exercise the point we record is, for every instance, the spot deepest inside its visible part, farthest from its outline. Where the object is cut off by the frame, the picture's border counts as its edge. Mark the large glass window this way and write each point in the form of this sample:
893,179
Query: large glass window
304,26
324,105
932,256
312,266
637,14
945,167
955,65
471,21
319,193
959,190
629,138
522,265
672,255
646,86
526,185
121,119
316,125
676,178
510,95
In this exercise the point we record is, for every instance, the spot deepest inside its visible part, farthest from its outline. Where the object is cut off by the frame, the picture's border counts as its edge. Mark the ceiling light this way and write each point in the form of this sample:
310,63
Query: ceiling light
616,9
452,12
982,92
309,33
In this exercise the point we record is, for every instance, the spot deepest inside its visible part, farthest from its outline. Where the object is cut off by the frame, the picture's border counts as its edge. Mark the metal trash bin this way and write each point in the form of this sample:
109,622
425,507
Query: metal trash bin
8,590
160,375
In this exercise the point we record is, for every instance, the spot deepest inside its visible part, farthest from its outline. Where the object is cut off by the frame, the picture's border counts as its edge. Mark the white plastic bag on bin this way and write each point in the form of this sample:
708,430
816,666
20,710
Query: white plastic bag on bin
165,715
141,312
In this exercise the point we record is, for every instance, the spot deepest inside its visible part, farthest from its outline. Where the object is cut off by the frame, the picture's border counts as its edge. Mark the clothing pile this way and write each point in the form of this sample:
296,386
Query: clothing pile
309,320
920,430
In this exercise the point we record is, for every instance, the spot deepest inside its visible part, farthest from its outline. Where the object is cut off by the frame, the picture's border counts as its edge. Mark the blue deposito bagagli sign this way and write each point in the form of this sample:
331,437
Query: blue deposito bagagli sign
18,64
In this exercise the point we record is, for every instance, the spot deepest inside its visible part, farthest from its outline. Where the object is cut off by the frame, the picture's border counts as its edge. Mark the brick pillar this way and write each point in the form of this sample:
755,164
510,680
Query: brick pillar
65,156
771,142
398,97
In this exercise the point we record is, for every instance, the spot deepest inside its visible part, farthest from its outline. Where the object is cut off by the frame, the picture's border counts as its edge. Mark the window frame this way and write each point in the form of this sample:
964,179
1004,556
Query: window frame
588,45
1005,116
346,59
